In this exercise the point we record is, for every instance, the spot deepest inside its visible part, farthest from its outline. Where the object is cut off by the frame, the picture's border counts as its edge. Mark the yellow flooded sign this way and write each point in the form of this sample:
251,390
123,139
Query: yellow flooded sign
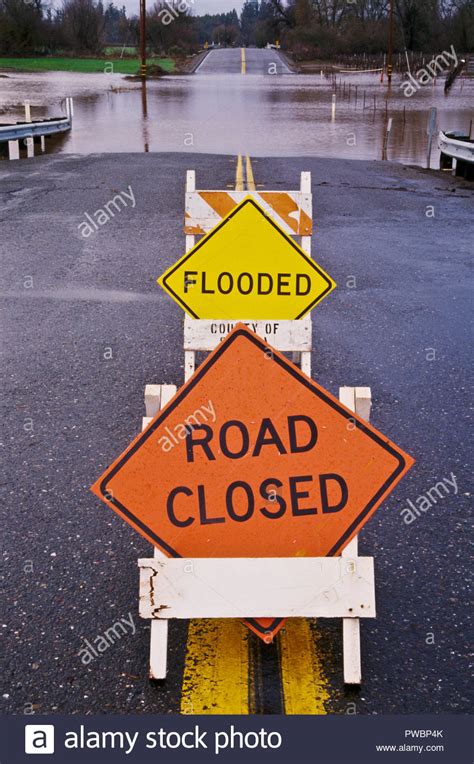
247,266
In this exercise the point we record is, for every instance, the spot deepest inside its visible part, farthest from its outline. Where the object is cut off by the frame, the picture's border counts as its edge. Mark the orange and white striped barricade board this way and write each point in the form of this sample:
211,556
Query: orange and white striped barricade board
293,211
322,587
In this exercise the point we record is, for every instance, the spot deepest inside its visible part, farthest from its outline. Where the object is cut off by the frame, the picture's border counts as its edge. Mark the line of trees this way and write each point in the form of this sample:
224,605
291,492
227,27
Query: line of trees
30,27
307,28
325,28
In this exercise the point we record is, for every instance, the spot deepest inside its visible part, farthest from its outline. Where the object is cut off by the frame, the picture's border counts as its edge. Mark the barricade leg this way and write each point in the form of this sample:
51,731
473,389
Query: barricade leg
157,396
358,399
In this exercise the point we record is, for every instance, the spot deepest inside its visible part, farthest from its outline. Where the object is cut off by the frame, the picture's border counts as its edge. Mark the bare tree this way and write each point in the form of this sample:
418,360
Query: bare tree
84,25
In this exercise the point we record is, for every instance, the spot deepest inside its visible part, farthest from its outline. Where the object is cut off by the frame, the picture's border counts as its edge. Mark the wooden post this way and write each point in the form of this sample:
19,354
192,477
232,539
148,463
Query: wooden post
305,187
189,355
357,399
13,150
142,38
390,44
156,397
27,111
431,129
386,137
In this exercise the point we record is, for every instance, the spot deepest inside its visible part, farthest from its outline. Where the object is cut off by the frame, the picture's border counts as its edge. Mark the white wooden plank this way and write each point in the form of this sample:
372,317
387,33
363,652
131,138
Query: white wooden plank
305,186
306,364
363,402
351,650
13,149
152,399
357,399
305,182
327,587
347,397
190,180
306,245
157,396
167,392
189,363
190,188
204,334
158,649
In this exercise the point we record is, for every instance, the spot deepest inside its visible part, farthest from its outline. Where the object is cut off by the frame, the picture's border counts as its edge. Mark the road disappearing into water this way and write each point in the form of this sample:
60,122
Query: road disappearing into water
244,61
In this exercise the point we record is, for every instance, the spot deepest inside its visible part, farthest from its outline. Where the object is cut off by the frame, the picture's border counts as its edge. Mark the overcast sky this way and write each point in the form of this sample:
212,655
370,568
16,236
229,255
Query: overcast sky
199,7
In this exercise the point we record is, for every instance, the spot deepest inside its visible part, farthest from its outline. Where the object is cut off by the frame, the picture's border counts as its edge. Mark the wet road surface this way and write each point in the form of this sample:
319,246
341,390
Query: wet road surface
86,327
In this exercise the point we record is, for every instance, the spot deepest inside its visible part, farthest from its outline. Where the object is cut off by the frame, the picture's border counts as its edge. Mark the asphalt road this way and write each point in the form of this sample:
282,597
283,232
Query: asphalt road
243,61
86,327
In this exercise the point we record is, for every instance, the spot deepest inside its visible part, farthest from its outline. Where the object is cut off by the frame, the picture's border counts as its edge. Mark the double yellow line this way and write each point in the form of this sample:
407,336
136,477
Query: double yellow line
239,174
220,671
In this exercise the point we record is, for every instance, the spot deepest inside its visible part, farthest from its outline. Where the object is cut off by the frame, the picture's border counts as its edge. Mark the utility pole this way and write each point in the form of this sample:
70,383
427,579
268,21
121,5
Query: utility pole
390,44
142,39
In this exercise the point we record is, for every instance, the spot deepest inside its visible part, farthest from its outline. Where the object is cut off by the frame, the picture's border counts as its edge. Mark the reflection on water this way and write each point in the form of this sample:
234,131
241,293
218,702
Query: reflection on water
231,114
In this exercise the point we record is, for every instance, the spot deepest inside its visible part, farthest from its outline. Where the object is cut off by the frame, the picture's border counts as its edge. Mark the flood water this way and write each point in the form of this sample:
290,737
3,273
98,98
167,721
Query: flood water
259,115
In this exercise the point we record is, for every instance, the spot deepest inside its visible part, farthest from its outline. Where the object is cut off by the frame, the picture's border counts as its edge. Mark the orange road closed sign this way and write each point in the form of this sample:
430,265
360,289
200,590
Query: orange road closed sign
252,459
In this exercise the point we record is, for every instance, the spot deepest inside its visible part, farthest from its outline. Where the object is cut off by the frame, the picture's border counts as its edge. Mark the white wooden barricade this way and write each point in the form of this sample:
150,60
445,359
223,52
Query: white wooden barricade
292,210
324,587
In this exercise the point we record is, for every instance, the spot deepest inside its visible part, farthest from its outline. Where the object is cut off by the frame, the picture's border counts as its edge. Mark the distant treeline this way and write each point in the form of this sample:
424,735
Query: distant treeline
309,29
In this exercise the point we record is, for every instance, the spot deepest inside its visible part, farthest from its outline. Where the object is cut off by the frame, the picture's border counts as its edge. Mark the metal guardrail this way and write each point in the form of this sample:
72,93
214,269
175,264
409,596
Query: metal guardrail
27,130
451,146
21,130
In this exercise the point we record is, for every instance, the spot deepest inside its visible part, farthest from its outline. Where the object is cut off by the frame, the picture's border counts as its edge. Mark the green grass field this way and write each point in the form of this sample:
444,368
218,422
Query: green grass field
104,65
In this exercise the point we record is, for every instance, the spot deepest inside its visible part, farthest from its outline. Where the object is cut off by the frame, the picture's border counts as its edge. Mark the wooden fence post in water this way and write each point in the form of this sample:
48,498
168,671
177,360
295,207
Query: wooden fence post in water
386,137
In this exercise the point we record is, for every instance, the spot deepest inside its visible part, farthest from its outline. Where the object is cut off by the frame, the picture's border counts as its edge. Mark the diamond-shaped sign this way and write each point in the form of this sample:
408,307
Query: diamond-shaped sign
251,458
247,266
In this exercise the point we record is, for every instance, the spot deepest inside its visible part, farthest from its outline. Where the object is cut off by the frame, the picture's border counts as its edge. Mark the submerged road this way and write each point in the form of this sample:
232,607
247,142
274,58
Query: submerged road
86,327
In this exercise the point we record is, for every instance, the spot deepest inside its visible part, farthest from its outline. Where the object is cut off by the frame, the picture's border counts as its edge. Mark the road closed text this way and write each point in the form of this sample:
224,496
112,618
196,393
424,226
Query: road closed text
242,498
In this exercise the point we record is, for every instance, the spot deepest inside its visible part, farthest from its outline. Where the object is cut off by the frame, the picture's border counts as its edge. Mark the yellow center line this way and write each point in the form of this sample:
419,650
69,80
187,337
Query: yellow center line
249,171
305,687
216,671
239,174
243,61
